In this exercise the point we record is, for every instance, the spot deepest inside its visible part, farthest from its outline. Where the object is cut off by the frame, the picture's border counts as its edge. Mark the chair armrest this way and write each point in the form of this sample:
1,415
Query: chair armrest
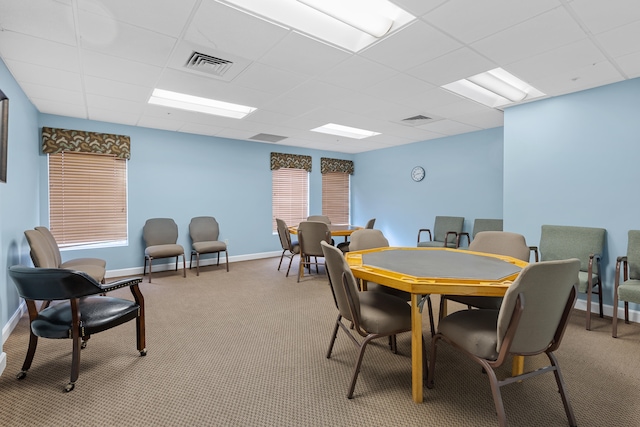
620,261
446,238
464,234
427,230
534,249
131,281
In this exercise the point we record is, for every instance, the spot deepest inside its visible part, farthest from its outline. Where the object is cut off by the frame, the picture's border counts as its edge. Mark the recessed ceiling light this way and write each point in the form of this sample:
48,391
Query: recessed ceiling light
201,105
351,25
494,88
346,131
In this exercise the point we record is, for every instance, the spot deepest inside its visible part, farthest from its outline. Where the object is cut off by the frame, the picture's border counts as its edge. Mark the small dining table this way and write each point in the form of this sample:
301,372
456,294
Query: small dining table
423,271
335,229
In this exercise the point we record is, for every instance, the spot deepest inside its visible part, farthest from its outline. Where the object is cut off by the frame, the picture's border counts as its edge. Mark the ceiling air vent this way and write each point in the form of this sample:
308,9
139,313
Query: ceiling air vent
208,64
265,137
418,120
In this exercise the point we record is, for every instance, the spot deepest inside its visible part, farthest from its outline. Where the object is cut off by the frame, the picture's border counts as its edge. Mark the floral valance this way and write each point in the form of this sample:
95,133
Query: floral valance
328,165
58,140
292,161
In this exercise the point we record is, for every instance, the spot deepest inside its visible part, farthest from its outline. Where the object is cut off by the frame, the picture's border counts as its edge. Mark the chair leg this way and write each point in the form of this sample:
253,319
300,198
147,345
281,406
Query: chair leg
495,390
430,309
197,263
356,370
333,336
290,261
184,265
589,293
191,260
281,256
432,361
150,262
226,255
563,390
600,303
33,343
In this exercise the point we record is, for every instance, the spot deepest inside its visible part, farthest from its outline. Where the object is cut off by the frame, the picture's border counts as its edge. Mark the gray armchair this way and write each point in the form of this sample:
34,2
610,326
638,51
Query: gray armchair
531,321
627,289
492,242
446,232
160,236
370,314
204,232
586,244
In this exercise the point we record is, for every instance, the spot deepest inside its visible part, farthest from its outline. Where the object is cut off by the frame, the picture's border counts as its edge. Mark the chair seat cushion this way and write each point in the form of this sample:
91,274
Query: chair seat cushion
84,261
583,280
97,314
473,330
492,303
96,272
209,247
629,291
435,244
163,251
382,313
295,247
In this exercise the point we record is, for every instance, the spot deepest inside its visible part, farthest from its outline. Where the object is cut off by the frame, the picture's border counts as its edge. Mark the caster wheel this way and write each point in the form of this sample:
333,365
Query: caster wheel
69,387
83,344
21,375
143,352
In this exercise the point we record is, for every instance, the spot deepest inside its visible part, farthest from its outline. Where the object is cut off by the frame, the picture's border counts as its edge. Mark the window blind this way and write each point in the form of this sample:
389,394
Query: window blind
87,198
290,196
335,197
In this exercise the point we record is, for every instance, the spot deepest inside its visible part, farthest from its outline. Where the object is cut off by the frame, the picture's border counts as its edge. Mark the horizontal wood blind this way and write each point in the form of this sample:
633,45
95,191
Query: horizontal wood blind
290,196
335,197
87,198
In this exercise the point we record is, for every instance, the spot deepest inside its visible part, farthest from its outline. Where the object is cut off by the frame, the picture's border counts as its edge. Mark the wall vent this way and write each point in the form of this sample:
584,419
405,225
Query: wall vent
265,137
208,64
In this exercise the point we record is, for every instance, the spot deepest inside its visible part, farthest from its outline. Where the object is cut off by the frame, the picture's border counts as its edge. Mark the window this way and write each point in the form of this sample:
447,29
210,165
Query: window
87,198
335,197
290,196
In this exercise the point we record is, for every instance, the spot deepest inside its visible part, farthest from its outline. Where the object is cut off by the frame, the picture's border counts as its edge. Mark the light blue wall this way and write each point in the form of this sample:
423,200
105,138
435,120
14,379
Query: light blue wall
463,178
180,176
573,160
19,196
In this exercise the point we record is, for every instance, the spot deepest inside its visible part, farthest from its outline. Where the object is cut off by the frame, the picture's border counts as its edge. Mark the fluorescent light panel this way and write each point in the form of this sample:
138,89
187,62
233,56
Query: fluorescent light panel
201,105
494,88
346,131
358,16
335,26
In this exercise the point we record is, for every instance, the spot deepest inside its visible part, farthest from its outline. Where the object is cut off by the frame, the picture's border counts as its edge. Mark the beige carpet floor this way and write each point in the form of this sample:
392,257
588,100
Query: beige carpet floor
247,348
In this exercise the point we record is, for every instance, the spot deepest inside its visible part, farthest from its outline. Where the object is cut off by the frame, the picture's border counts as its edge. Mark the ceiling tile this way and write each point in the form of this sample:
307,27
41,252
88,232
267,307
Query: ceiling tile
622,40
126,91
630,64
552,29
45,76
357,73
51,93
411,46
269,79
601,16
453,66
119,69
49,20
38,51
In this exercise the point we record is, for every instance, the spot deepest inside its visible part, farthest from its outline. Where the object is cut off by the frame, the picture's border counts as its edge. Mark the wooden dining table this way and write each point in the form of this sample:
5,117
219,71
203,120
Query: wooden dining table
336,229
424,271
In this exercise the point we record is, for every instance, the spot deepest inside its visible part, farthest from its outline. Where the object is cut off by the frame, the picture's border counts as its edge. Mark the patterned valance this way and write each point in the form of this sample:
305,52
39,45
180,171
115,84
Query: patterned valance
59,140
328,165
291,161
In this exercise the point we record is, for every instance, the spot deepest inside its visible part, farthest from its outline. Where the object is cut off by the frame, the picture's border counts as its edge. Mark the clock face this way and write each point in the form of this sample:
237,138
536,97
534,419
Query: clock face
417,173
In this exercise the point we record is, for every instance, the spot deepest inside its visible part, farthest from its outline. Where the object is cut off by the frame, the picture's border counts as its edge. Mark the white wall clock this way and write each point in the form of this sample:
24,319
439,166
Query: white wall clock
417,173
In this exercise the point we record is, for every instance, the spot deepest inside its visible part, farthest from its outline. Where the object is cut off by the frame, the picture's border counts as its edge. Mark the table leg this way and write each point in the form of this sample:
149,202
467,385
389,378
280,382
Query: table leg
416,349
517,366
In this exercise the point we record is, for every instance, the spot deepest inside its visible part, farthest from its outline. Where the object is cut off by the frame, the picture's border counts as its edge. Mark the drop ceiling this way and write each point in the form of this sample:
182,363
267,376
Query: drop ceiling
100,60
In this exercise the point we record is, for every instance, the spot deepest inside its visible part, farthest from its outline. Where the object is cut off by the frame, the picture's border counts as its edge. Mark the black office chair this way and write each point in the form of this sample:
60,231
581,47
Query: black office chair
80,313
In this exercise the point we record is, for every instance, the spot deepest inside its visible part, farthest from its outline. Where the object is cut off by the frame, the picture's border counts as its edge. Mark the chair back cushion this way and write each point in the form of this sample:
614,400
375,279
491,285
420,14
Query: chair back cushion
52,283
204,229
160,231
52,242
546,287
370,223
310,234
563,242
482,224
633,254
284,234
501,243
367,239
41,252
336,266
444,224
321,218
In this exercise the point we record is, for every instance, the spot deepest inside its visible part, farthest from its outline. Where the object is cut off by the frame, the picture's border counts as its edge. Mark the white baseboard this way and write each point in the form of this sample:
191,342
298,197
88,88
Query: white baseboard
3,362
13,321
136,271
634,315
